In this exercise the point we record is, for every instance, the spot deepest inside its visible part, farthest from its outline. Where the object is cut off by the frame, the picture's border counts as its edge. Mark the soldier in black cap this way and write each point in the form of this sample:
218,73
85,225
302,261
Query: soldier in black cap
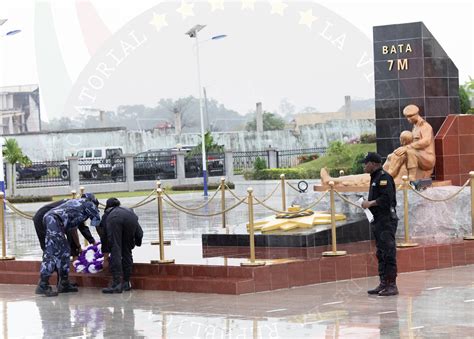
382,202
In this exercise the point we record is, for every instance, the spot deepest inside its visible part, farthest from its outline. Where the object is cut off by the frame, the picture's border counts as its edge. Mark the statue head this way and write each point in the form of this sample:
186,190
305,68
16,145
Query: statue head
406,138
411,112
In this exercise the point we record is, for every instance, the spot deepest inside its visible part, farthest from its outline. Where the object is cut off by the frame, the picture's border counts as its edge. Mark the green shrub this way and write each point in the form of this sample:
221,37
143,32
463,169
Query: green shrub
27,199
358,167
340,151
291,173
368,138
259,164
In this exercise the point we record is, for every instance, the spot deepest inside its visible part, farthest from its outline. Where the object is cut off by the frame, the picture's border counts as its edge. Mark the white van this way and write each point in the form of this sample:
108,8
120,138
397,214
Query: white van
94,162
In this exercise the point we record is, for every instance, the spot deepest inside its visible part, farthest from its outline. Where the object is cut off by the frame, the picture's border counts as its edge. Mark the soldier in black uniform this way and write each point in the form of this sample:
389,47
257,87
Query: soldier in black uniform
381,202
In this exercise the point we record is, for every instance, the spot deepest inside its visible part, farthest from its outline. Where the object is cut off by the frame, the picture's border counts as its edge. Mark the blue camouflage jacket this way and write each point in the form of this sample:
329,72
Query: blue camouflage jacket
75,211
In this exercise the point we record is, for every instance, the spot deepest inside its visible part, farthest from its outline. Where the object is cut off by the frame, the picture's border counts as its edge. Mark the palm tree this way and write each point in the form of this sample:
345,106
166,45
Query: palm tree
13,154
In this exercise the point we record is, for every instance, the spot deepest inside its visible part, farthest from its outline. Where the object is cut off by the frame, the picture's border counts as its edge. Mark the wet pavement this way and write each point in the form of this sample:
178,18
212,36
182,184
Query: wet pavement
431,304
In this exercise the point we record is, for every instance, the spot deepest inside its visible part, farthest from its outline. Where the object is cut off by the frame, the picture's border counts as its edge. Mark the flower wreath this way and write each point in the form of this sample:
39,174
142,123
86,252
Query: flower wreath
91,260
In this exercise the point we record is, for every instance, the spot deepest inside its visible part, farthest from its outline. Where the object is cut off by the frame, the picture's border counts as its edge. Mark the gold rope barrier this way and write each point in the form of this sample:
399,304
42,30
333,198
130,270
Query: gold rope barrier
265,199
195,207
179,208
283,193
222,186
290,213
162,260
18,211
160,228
334,252
441,200
2,229
252,261
471,237
293,187
407,242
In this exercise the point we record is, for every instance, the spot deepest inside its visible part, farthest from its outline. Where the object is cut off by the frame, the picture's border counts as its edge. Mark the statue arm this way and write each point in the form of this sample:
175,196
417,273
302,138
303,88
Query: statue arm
426,133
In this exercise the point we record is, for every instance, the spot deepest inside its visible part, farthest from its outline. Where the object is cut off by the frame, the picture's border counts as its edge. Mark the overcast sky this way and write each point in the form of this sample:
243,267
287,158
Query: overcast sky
101,54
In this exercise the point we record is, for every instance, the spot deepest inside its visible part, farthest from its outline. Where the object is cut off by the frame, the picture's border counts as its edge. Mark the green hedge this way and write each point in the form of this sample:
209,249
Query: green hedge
27,199
291,173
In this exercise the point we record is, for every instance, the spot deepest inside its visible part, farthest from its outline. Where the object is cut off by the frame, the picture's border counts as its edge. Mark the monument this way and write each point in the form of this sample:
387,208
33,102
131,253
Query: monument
410,67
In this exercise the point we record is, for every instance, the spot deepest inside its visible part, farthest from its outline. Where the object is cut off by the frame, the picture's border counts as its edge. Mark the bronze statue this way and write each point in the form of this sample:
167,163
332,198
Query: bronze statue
415,157
418,157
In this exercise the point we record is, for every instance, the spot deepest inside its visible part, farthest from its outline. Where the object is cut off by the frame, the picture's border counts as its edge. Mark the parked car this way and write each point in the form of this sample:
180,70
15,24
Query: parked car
35,171
161,164
94,162
149,165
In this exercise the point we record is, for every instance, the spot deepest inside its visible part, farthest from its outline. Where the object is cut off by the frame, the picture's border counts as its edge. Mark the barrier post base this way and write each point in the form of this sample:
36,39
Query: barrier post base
334,253
469,237
407,244
157,242
7,258
164,261
252,264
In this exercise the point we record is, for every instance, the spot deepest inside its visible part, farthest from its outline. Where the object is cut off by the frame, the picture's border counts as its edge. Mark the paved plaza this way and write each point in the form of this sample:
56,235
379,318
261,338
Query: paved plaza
431,304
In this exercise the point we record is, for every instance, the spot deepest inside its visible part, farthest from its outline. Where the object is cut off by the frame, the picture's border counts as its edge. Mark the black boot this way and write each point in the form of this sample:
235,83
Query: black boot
127,286
65,286
115,287
379,288
390,289
44,288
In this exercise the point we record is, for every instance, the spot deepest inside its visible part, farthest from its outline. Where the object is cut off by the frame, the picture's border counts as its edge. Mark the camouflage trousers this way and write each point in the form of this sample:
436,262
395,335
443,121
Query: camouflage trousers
56,255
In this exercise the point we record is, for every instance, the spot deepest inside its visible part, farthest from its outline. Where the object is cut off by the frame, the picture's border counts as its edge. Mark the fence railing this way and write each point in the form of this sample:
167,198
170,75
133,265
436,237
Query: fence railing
293,157
245,160
215,165
154,167
96,170
40,174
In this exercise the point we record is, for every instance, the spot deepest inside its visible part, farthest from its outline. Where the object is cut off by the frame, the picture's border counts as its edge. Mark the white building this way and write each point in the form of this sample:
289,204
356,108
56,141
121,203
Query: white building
19,109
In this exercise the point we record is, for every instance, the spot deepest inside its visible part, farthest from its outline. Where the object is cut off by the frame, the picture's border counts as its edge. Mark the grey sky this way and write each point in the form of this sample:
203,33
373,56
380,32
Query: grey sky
266,56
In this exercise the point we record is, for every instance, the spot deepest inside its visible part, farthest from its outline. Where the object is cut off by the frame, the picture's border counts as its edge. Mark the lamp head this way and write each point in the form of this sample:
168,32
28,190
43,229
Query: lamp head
193,31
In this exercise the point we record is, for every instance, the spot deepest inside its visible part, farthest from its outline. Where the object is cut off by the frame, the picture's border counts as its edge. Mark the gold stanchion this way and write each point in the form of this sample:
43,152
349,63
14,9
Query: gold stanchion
252,261
73,194
81,191
2,226
471,237
407,242
334,252
157,242
283,194
223,201
159,196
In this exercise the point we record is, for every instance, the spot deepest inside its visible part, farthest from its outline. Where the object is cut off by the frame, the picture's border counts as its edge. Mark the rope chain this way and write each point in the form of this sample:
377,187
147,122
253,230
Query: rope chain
441,200
346,200
18,211
290,213
265,199
204,215
293,187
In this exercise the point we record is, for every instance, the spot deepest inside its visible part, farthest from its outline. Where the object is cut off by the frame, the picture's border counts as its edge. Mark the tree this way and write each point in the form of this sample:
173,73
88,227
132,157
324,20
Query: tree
13,154
209,143
464,101
271,122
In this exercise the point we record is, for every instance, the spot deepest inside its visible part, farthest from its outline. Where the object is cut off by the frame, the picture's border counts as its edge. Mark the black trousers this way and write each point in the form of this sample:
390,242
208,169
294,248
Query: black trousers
121,241
384,230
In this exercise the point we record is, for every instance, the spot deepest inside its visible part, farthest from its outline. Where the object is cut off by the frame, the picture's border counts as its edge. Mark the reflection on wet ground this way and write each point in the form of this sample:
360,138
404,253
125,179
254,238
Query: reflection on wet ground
437,303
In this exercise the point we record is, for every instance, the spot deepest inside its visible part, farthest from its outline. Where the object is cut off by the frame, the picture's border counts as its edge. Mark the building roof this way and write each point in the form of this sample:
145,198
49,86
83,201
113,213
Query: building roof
19,89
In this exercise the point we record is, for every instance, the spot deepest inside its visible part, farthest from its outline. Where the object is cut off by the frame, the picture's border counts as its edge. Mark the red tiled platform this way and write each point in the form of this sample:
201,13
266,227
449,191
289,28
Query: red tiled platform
306,267
454,144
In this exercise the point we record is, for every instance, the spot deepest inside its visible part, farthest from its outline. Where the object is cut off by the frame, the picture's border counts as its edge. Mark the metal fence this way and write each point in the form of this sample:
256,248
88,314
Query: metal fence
99,170
215,165
245,160
40,174
154,165
293,157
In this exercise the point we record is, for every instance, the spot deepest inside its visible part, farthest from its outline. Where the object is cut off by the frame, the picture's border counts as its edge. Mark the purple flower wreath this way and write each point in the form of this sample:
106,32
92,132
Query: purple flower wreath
91,260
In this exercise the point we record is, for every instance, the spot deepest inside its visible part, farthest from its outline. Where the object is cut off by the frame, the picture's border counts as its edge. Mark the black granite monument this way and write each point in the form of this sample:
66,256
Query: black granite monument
410,67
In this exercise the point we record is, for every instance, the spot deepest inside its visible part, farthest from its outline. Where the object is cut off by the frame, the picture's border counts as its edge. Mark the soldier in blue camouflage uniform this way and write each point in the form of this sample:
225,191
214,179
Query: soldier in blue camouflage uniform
57,253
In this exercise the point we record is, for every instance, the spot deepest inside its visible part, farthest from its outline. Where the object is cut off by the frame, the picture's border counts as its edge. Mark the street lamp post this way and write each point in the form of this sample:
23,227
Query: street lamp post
2,172
193,33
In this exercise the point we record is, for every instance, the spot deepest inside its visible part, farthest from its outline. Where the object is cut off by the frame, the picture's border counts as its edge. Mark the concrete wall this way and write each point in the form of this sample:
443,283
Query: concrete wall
59,145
